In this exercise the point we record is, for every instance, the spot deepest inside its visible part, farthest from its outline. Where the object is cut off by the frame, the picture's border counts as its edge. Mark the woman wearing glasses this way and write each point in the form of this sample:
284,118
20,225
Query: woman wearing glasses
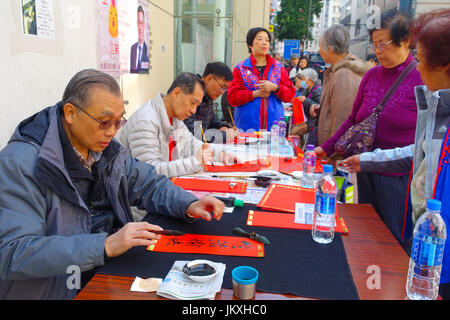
386,191
260,85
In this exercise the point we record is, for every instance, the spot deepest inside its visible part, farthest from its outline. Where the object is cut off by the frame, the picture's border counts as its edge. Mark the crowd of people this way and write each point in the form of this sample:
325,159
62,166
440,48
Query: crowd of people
77,178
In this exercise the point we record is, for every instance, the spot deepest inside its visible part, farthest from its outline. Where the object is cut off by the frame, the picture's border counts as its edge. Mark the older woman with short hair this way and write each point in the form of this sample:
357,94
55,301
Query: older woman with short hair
309,80
340,83
386,191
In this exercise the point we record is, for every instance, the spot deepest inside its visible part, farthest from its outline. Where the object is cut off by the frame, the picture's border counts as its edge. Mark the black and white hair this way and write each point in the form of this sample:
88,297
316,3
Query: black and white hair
79,87
186,81
335,38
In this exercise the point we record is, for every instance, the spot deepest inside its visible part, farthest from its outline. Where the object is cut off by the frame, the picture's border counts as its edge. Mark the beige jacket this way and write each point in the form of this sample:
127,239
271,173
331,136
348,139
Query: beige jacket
147,134
340,86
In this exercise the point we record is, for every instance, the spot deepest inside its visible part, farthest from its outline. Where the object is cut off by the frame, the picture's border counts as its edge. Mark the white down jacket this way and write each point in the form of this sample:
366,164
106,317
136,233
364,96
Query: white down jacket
147,134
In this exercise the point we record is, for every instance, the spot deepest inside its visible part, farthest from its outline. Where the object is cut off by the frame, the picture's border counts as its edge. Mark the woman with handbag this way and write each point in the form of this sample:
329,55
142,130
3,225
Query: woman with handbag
396,122
429,155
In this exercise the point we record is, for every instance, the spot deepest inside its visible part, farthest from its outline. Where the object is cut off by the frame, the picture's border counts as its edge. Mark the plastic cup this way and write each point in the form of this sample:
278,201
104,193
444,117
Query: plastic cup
244,282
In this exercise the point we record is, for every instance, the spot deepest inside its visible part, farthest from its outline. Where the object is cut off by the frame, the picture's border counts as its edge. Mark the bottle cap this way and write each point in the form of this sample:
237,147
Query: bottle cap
434,205
310,147
238,203
286,118
327,168
275,122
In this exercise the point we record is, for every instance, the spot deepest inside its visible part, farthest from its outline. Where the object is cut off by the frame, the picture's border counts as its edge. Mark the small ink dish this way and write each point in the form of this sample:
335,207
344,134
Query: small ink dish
200,270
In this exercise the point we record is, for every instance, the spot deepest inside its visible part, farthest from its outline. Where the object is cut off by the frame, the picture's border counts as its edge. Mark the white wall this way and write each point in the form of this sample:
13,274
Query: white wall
35,71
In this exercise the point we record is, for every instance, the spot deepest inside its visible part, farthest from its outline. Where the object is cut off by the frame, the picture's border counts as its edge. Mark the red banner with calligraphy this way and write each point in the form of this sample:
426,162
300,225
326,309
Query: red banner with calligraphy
286,221
208,244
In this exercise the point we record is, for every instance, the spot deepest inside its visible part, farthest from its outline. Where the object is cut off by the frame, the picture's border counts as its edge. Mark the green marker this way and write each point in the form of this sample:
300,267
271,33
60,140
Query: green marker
231,202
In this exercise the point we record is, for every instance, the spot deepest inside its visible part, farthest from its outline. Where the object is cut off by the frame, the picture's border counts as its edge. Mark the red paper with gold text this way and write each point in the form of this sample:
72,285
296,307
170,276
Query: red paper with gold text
286,221
283,198
210,185
209,244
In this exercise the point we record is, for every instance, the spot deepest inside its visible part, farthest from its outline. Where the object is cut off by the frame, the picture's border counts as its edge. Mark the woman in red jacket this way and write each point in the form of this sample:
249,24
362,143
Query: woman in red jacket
260,84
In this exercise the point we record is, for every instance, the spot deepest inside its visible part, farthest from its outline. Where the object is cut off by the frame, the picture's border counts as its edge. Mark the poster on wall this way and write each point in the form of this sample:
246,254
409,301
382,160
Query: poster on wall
38,18
108,37
134,33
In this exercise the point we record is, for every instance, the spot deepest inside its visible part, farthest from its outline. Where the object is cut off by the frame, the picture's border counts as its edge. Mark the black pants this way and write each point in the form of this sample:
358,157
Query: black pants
387,194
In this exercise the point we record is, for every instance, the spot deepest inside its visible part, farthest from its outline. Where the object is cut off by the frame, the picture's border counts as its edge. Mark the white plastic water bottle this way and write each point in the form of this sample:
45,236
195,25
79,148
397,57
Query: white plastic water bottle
283,127
275,138
325,207
309,165
427,250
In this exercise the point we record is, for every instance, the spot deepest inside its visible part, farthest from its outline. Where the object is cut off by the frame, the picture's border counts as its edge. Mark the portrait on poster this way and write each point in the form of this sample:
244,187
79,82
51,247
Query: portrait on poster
139,52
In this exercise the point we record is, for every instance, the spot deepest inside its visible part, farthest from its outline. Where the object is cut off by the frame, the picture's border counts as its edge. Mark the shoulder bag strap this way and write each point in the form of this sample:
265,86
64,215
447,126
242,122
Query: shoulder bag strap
394,87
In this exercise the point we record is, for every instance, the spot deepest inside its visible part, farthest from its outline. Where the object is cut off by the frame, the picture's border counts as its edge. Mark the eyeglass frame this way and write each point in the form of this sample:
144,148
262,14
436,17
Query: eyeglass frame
222,89
384,45
106,124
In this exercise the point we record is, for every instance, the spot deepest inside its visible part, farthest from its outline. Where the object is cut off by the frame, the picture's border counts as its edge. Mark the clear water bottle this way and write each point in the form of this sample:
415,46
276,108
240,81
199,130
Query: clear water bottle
325,207
283,127
309,165
426,254
275,138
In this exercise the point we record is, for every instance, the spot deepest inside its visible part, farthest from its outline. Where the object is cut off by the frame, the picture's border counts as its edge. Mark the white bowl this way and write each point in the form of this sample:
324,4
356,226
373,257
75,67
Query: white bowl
200,270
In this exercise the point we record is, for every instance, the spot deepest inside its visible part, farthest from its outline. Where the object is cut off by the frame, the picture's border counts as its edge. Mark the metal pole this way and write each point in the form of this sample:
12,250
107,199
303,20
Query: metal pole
309,19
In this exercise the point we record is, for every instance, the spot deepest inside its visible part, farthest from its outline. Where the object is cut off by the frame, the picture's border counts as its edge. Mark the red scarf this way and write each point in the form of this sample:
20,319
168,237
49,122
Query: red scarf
172,142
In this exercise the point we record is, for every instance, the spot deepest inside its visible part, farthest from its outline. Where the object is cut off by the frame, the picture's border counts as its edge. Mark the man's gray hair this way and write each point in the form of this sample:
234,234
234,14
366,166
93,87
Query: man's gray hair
308,73
335,38
79,87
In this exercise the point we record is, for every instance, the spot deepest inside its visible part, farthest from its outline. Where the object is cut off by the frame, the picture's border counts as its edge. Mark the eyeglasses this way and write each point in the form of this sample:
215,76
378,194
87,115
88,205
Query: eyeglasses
381,45
224,88
104,125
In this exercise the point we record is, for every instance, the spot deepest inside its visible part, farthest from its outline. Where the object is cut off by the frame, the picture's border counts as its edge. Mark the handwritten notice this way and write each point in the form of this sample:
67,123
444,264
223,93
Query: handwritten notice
38,18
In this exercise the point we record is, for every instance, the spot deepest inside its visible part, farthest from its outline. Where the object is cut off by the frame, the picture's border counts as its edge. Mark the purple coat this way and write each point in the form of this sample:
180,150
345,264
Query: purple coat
396,125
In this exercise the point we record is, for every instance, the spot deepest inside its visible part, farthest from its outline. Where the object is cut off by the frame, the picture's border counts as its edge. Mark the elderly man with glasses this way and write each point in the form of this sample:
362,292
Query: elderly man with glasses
66,187
216,77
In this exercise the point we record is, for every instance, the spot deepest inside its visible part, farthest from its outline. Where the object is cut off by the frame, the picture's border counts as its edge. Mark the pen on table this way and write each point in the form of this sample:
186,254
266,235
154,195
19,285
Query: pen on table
168,232
230,201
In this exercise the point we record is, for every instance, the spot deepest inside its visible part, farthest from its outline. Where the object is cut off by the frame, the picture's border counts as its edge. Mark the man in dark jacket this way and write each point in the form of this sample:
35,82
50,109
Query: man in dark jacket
66,187
217,77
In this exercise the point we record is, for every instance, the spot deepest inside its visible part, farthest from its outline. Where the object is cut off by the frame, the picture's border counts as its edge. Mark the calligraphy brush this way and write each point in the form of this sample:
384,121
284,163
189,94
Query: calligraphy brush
168,232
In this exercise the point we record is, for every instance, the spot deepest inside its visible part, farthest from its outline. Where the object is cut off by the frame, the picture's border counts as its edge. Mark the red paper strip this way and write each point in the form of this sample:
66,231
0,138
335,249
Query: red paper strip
207,244
250,166
210,185
283,198
286,221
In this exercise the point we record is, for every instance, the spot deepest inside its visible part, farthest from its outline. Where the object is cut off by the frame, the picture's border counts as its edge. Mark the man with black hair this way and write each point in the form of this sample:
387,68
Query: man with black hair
156,133
216,76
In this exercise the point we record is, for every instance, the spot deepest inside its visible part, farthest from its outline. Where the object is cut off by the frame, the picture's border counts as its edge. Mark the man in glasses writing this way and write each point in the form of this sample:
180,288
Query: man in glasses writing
217,77
66,187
